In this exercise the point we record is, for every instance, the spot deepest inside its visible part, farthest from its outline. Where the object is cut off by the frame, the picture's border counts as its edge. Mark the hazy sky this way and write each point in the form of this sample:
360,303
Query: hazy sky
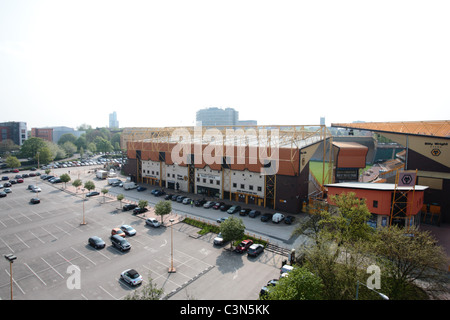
279,62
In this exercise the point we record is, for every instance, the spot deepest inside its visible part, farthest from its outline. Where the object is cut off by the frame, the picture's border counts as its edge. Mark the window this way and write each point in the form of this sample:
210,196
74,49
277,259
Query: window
204,180
218,182
259,189
250,187
234,185
242,186
375,203
211,181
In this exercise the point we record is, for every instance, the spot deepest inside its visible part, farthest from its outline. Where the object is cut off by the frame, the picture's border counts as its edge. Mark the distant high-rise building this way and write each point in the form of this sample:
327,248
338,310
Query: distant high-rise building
113,122
218,117
15,131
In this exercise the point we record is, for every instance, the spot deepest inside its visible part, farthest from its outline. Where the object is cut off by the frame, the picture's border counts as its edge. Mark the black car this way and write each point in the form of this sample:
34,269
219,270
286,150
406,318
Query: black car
92,193
129,207
289,219
141,188
168,196
96,242
35,200
225,207
139,210
2,194
266,217
254,213
244,212
199,203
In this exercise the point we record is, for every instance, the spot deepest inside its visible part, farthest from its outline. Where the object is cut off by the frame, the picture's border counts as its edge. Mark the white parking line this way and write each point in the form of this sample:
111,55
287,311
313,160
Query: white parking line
22,241
24,216
107,292
9,275
7,245
37,237
13,219
3,224
52,268
62,230
34,273
49,233
83,255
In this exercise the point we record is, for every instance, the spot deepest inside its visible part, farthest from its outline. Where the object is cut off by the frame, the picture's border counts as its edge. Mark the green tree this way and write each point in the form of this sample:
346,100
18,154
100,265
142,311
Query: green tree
162,208
120,197
69,147
89,185
77,183
301,284
142,204
12,162
31,146
103,145
149,291
67,137
65,178
44,155
104,191
407,257
232,229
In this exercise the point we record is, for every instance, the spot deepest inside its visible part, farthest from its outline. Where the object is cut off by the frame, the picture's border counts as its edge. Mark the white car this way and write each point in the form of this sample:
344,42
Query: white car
36,189
129,230
7,190
218,240
131,276
187,200
152,222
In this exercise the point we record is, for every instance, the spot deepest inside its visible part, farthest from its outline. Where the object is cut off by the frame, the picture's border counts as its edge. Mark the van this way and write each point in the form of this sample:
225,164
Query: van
277,217
120,243
286,269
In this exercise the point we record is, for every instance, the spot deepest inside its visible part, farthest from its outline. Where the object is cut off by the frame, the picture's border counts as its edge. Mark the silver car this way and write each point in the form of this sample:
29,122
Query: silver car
131,276
129,231
152,222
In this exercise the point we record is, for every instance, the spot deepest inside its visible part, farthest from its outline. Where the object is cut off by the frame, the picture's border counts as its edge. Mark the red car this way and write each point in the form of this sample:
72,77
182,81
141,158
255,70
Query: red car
19,180
243,246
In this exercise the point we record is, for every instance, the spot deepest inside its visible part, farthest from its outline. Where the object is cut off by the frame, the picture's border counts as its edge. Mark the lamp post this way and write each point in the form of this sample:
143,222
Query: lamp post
382,295
10,257
84,199
171,269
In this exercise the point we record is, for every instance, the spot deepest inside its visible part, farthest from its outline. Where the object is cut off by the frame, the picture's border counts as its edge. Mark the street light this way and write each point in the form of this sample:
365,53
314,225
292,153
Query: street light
171,269
10,257
84,199
382,295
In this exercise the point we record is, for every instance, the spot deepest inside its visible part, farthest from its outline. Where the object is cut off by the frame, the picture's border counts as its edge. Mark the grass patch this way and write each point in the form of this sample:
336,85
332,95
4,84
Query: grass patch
206,227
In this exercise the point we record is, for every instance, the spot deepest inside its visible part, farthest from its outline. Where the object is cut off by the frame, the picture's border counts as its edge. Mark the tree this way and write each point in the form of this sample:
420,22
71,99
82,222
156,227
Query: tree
89,185
120,197
69,148
142,204
162,208
44,155
12,162
301,284
65,178
232,229
77,183
408,257
104,191
149,291
31,146
67,137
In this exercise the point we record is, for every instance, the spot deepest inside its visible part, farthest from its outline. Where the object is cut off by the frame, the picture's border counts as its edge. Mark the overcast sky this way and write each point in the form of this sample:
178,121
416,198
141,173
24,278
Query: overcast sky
278,62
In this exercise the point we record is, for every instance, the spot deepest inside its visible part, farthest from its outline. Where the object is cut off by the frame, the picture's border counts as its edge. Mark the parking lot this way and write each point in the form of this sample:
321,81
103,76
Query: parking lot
51,246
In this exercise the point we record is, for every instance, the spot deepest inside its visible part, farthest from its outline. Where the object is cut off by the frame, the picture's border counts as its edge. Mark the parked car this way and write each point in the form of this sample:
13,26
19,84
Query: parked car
254,213
131,276
225,207
200,202
220,220
234,209
277,217
129,206
208,204
2,194
187,201
7,190
120,243
217,205
36,189
92,193
255,249
129,230
168,197
243,246
244,212
35,200
159,193
289,219
218,240
140,188
139,210
96,242
152,222
118,231
265,290
266,217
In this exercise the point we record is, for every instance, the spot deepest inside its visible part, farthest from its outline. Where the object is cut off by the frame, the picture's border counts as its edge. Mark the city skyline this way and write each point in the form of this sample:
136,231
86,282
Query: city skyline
156,64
